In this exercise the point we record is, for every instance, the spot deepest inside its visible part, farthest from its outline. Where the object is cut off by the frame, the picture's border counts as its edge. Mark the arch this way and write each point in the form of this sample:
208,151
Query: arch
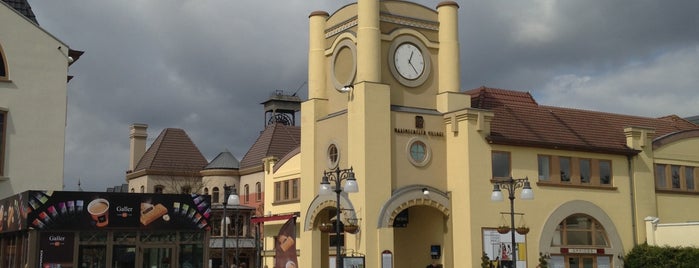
4,73
579,207
322,202
409,196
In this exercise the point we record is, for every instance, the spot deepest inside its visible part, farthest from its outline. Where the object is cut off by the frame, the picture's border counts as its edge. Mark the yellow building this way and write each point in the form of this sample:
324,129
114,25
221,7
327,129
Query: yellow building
426,156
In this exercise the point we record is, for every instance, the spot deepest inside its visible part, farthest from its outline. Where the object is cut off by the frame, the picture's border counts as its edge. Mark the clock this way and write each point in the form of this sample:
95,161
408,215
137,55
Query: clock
409,61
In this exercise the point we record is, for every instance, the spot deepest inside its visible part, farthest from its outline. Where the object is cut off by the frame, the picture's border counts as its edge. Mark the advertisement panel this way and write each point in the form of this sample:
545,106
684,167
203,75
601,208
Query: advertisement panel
56,249
49,210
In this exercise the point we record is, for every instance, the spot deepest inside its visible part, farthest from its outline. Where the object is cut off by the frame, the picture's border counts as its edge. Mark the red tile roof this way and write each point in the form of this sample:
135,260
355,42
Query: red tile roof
173,150
520,120
276,140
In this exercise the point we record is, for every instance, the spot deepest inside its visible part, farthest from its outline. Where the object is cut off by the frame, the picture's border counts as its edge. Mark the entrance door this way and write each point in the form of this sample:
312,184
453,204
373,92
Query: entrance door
581,262
157,257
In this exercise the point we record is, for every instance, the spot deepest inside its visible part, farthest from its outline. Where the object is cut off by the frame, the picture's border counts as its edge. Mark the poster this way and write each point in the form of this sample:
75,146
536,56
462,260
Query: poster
286,246
498,248
56,249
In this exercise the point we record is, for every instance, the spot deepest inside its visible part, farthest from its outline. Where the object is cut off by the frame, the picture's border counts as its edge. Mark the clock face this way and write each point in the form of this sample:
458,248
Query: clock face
409,61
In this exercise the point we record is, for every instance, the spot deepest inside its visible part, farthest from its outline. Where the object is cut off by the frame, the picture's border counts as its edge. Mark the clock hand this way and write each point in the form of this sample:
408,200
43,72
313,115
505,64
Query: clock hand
411,65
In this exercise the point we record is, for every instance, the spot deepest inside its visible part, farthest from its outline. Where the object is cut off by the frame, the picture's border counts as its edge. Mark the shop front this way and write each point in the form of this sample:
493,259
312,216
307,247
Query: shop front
89,229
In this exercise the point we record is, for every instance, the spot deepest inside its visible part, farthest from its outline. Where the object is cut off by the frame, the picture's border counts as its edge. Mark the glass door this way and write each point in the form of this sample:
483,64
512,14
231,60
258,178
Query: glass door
157,257
581,262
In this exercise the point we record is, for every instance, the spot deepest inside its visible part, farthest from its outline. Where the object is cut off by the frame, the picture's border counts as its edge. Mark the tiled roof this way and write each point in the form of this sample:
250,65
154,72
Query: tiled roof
172,151
23,7
693,119
276,140
224,160
519,120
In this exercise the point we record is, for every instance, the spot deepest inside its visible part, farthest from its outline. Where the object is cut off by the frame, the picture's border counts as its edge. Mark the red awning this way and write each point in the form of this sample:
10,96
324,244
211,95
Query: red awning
272,218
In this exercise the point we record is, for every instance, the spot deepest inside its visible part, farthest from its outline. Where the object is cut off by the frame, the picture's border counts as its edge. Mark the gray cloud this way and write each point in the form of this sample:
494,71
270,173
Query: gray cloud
205,66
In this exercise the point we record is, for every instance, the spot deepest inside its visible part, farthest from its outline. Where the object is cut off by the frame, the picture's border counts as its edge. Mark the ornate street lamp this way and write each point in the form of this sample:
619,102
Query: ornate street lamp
338,175
527,194
230,196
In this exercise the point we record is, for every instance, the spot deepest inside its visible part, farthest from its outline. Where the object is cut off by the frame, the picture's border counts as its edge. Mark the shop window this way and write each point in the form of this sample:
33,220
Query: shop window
214,195
258,190
501,164
3,120
580,230
246,190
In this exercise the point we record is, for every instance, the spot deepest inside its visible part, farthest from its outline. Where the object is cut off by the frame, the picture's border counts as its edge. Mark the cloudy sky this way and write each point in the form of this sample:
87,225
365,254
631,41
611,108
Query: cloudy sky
205,65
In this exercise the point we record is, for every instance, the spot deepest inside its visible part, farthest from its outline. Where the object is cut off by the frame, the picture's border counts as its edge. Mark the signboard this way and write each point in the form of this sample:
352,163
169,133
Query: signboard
386,259
56,249
49,210
353,262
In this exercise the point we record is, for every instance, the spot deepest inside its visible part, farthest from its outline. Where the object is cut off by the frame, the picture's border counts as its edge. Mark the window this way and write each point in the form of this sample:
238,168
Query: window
544,167
3,66
246,190
214,195
158,189
585,170
566,170
287,190
501,164
3,119
418,152
333,156
564,163
143,189
689,177
660,176
605,172
186,189
579,230
258,190
675,177
206,191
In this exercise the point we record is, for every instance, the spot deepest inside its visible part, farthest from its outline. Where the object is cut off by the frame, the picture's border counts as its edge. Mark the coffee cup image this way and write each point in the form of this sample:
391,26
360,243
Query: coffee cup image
290,264
99,210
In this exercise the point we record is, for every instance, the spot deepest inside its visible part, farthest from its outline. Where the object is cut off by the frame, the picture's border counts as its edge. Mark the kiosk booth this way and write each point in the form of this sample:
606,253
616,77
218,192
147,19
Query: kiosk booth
48,229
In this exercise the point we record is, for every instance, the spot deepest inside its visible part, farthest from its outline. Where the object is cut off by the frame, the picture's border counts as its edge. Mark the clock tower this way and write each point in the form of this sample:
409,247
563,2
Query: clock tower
381,77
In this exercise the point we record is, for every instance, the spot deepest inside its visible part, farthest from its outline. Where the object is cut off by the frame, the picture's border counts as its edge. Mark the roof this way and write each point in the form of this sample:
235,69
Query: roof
224,160
520,120
23,7
276,140
693,119
172,151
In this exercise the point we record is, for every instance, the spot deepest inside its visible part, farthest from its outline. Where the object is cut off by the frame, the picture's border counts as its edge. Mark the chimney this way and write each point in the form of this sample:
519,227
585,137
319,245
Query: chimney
138,144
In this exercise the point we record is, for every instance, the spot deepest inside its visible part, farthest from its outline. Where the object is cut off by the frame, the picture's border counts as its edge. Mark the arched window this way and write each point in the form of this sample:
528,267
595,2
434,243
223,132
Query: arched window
158,189
206,190
214,195
3,66
133,190
258,190
143,189
580,230
247,194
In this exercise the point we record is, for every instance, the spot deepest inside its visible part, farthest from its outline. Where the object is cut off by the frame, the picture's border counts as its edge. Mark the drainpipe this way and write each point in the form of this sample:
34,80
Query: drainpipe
634,227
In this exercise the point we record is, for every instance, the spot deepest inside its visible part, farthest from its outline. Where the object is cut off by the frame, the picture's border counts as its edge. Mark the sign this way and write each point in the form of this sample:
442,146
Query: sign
56,249
498,248
401,220
386,259
582,250
49,210
285,246
353,262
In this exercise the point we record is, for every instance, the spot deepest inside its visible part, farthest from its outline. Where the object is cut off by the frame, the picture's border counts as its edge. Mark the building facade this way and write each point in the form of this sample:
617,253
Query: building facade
33,101
426,155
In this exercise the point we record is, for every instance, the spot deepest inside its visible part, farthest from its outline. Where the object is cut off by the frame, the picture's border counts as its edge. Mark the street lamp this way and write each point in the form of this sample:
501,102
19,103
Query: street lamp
527,194
338,175
229,197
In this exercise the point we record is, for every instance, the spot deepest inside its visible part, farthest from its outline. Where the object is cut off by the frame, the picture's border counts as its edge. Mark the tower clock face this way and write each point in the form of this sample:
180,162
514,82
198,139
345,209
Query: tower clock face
409,61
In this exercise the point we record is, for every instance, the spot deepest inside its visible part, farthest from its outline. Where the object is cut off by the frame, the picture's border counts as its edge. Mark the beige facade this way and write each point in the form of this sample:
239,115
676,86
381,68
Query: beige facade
403,133
33,100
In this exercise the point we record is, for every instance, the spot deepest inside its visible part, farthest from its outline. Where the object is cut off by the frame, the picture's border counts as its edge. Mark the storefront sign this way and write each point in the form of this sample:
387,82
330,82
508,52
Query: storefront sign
48,210
56,249
582,250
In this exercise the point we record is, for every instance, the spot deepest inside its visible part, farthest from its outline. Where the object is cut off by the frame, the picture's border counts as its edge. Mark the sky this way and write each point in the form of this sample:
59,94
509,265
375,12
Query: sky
206,65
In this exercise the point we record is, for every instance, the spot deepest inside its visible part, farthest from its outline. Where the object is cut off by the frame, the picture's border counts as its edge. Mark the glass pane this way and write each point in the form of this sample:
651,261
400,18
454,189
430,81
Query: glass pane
191,256
585,170
92,256
605,172
573,262
124,257
600,238
501,165
579,238
417,151
588,262
689,177
565,169
675,177
157,257
544,167
660,176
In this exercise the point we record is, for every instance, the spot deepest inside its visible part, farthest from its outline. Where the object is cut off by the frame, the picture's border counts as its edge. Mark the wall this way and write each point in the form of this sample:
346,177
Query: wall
672,234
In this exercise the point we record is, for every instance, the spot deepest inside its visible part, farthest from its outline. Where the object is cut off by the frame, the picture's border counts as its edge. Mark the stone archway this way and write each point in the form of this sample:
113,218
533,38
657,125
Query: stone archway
409,196
322,202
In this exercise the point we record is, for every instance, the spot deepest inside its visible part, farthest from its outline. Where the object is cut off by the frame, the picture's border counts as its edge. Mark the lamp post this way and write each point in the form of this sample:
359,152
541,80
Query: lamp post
527,194
338,175
229,197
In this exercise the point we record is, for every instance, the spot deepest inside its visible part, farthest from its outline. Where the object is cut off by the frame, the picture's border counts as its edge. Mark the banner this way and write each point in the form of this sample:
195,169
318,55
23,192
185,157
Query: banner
285,246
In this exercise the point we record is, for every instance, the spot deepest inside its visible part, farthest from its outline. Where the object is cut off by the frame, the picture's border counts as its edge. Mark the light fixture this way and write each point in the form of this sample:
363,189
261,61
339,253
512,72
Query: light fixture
425,191
337,176
511,185
346,88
